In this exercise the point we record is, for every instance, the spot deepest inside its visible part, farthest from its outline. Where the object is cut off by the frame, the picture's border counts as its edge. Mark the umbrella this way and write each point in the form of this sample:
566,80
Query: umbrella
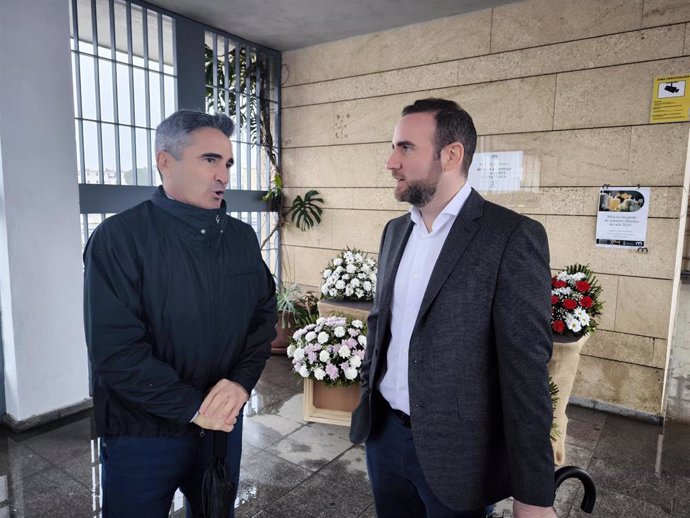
584,477
217,491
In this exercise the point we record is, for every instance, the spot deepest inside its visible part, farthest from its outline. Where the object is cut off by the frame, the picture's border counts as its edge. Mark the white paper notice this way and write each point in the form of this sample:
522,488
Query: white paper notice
500,171
622,217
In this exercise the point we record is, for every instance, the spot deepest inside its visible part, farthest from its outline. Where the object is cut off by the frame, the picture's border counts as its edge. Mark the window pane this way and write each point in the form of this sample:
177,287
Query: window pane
103,27
88,87
168,53
123,94
75,99
152,28
80,172
142,158
84,26
170,95
109,151
91,152
105,69
126,168
155,98
139,97
137,35
121,43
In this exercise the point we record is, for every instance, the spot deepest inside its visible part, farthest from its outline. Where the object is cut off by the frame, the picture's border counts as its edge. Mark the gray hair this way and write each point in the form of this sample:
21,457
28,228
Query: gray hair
172,135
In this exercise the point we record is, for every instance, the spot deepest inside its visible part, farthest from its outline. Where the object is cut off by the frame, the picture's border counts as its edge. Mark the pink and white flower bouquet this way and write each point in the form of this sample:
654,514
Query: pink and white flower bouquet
329,350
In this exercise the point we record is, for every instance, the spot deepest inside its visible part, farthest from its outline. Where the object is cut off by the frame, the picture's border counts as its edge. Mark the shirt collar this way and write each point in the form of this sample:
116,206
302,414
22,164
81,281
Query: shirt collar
451,210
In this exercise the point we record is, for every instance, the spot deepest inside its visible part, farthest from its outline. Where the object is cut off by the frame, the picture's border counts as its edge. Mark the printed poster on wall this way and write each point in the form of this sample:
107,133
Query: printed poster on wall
622,217
500,171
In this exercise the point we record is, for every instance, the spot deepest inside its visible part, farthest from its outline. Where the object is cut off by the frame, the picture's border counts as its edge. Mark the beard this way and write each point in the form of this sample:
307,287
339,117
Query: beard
421,192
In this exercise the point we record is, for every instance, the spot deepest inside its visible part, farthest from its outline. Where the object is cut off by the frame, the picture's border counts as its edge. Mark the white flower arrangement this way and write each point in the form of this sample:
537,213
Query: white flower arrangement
330,350
351,275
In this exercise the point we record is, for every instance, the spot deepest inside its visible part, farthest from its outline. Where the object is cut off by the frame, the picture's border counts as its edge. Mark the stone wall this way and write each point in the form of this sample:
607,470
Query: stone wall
568,83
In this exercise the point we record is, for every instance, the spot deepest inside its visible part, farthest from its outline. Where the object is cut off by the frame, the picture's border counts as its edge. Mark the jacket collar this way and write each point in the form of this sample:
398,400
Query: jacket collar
205,222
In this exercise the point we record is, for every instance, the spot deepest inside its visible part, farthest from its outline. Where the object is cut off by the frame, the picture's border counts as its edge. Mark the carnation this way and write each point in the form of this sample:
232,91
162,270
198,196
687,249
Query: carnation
314,349
351,275
575,302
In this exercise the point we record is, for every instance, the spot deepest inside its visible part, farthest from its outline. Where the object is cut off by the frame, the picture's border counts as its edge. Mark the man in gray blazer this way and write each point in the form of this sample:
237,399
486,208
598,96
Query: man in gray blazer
455,407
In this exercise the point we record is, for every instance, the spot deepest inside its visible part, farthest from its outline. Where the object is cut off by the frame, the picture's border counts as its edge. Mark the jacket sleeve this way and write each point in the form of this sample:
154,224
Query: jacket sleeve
521,314
116,336
260,333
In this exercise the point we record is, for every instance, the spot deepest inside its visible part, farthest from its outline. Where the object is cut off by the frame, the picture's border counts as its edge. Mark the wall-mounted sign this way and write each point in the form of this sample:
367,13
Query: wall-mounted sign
670,99
500,171
622,217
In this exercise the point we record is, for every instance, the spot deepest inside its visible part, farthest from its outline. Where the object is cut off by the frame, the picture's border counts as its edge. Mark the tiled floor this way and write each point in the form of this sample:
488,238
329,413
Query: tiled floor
294,469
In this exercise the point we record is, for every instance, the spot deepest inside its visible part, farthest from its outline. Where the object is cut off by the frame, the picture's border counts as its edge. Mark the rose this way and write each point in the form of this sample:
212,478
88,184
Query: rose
586,302
559,284
558,326
554,299
569,304
582,286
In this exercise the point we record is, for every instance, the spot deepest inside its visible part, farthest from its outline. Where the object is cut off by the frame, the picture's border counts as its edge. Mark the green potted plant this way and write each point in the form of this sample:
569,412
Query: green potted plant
294,308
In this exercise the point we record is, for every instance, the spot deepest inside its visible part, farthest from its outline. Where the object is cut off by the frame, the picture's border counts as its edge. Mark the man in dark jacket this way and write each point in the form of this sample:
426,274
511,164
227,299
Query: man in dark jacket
179,314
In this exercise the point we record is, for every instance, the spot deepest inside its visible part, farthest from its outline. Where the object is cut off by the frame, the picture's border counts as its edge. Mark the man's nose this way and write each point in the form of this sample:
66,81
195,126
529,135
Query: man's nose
392,163
222,174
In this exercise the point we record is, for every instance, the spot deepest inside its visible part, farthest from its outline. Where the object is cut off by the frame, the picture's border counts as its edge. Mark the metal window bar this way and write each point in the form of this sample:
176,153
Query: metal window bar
116,104
96,78
147,89
78,108
130,62
214,64
161,60
238,118
248,122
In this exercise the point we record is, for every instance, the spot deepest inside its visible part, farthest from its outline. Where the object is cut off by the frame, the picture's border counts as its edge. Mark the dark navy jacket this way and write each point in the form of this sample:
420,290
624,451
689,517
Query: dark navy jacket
175,299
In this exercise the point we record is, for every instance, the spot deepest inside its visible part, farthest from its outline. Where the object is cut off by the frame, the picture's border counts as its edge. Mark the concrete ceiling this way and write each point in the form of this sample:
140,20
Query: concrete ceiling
292,24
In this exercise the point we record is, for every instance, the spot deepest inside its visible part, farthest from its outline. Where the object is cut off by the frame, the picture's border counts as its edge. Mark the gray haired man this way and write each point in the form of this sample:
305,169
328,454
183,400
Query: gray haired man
179,314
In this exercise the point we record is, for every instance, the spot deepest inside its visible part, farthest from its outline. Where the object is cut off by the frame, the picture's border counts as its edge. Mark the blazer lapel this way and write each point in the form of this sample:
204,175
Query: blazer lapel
398,243
460,235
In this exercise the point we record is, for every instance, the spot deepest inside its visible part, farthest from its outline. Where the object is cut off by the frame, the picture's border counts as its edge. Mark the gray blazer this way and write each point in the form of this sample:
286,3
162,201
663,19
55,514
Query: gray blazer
480,406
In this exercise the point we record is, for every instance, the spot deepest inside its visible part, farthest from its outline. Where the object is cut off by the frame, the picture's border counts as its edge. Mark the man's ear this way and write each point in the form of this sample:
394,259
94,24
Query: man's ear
165,161
452,156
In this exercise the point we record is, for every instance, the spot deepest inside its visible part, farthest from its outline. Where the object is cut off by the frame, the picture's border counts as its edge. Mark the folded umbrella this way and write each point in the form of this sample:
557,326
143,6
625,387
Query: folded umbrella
217,492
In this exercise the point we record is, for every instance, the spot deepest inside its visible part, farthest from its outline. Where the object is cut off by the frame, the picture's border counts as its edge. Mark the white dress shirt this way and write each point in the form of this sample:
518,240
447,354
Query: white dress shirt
417,263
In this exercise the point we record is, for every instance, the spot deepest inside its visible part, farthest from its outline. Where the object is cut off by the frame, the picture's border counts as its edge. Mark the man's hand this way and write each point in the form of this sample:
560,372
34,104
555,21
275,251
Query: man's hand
521,510
224,401
213,423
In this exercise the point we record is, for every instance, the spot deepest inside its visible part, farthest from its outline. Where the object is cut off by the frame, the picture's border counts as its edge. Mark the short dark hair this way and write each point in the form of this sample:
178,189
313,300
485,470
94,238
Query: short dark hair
453,124
172,135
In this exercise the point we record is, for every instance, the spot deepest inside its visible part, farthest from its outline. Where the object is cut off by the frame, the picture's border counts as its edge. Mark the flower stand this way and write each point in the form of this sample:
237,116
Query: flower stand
562,369
334,405
331,405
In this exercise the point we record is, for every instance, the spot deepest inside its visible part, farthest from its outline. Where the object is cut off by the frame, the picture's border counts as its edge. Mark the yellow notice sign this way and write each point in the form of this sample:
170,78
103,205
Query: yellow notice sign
670,99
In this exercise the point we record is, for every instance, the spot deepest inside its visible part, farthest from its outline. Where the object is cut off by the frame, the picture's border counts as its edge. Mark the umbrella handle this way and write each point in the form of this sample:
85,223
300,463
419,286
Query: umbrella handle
590,497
